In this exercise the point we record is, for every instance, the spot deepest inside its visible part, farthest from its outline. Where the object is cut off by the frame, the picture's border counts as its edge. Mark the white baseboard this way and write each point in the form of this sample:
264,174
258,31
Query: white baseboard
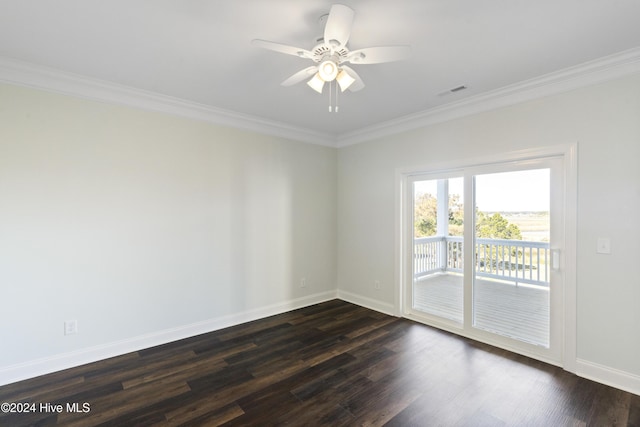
58,362
609,376
373,304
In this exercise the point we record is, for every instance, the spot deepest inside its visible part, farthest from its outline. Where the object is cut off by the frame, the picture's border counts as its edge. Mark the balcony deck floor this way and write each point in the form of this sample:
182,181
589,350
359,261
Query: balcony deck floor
520,312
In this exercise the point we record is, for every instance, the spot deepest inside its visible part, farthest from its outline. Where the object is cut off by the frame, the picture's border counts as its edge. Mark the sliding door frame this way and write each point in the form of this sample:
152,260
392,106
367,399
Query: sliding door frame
404,247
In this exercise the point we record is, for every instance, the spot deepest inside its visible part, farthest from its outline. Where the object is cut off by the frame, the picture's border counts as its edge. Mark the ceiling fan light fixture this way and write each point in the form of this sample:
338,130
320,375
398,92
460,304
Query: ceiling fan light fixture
344,80
316,83
328,70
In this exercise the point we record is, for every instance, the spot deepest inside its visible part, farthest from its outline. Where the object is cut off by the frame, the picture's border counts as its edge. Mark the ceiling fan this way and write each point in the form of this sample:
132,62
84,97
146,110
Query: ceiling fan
331,54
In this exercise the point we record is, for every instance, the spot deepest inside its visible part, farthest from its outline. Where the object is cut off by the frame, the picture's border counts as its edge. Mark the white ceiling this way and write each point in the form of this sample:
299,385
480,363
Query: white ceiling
199,50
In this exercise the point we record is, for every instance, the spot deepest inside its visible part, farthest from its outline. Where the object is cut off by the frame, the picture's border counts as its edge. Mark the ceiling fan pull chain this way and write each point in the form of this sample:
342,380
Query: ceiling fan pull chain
336,86
330,87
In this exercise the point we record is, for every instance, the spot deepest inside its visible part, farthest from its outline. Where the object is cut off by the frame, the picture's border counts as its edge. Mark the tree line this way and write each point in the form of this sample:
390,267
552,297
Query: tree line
490,226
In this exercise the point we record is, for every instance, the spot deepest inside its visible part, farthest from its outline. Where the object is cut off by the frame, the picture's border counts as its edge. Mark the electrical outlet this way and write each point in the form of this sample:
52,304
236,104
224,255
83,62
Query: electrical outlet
303,282
376,284
604,245
70,327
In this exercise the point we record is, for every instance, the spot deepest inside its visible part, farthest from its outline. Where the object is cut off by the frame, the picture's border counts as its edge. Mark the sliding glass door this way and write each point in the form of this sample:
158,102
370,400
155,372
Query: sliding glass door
481,248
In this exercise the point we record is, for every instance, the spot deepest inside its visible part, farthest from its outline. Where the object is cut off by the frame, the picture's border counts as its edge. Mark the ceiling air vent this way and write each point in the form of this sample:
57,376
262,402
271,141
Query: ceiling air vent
454,90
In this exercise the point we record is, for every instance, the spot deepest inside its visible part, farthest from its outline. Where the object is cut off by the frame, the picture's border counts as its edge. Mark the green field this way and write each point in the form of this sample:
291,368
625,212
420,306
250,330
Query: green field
534,226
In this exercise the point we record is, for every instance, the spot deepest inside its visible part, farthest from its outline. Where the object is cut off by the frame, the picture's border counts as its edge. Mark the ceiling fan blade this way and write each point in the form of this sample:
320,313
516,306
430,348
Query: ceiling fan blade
300,76
377,55
338,27
358,84
282,48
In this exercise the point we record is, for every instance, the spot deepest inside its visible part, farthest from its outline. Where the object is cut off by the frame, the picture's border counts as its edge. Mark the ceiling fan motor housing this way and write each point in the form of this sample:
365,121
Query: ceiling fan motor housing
322,50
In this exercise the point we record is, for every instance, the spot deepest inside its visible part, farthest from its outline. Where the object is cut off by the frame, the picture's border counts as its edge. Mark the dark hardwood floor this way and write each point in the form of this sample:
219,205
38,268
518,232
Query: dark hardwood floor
329,364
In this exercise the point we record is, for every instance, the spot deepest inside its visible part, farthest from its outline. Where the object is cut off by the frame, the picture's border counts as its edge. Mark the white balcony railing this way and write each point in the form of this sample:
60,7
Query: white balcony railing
519,261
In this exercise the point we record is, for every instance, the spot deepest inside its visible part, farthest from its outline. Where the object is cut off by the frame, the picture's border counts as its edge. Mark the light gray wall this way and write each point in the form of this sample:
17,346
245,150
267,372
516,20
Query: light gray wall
135,223
605,122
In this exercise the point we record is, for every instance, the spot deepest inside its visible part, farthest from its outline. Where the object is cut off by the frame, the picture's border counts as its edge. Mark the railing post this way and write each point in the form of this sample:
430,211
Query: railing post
444,253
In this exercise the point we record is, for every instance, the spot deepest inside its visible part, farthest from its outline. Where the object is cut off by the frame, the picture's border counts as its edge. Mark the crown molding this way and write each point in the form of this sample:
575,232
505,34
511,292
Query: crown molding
34,76
586,74
614,66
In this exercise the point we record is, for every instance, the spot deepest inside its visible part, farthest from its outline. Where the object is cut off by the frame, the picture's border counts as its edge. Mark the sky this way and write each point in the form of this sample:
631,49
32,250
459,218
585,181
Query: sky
513,191
518,191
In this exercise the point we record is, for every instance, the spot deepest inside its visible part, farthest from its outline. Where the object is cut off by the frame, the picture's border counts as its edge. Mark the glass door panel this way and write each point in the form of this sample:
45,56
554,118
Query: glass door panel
512,234
438,227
